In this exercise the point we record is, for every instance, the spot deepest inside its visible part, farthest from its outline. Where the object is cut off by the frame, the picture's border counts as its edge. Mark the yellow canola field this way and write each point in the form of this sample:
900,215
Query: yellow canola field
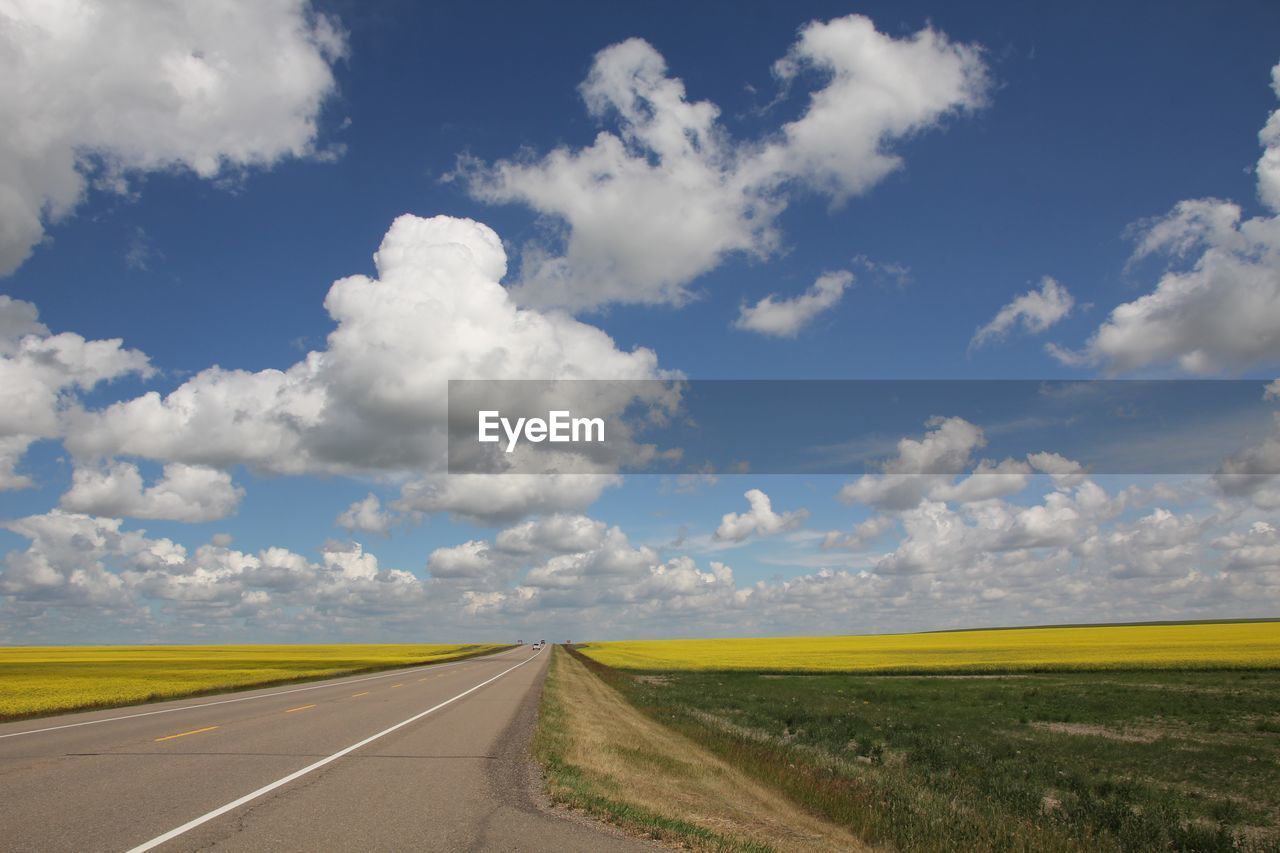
43,680
1187,646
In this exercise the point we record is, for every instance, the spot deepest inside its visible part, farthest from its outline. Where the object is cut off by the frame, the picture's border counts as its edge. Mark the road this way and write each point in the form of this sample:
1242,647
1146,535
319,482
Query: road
430,758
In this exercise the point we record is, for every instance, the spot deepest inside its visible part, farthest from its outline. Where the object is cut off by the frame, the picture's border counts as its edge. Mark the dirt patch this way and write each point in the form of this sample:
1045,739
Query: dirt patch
655,680
1090,730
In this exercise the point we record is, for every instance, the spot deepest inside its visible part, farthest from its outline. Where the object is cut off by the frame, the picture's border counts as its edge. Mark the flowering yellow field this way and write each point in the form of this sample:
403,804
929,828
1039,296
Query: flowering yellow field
1185,646
43,680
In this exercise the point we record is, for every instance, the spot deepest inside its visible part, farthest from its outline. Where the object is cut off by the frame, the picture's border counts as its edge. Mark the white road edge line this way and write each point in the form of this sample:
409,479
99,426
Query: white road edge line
259,696
266,789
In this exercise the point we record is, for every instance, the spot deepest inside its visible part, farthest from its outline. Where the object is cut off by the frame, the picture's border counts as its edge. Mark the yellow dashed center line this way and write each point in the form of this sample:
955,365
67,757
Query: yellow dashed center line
184,734
354,695
299,708
394,686
423,679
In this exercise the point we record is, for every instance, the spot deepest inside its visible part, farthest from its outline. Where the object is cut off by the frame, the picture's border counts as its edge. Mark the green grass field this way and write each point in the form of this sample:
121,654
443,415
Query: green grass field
1122,761
36,681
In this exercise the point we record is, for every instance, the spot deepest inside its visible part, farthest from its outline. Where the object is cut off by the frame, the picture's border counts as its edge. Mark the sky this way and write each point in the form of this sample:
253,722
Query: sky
244,246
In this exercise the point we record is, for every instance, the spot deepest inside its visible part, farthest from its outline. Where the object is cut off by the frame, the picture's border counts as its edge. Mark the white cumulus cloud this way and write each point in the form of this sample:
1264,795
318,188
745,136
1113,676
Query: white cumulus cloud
785,318
102,90
41,376
1269,163
560,533
1033,311
1217,308
761,519
465,560
184,493
374,400
930,468
667,194
367,515
494,499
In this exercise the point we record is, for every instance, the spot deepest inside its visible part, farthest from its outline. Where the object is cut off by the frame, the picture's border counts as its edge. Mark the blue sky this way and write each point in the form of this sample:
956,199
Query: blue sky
823,190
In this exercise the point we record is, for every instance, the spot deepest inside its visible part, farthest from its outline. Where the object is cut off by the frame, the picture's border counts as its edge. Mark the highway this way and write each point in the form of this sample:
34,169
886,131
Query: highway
428,758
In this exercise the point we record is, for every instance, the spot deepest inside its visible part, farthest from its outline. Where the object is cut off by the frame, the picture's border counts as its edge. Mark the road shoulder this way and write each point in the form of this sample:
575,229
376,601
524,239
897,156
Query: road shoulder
519,784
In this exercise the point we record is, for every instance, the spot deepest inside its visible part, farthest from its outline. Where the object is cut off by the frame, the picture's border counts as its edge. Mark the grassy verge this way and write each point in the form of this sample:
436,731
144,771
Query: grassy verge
37,681
1104,761
602,756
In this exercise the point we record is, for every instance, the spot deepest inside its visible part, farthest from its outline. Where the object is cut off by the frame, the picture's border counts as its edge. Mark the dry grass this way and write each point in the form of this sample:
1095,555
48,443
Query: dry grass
604,755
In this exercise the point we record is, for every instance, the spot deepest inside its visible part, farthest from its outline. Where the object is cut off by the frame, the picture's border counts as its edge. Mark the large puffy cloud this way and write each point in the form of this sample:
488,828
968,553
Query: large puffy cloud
668,179
784,318
1033,311
219,418
66,561
879,90
671,176
185,493
40,377
374,401
104,90
761,519
935,533
37,367
1217,308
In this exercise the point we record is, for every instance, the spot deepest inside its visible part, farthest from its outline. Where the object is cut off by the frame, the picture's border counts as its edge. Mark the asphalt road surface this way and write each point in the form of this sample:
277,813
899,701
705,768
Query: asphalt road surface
430,758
